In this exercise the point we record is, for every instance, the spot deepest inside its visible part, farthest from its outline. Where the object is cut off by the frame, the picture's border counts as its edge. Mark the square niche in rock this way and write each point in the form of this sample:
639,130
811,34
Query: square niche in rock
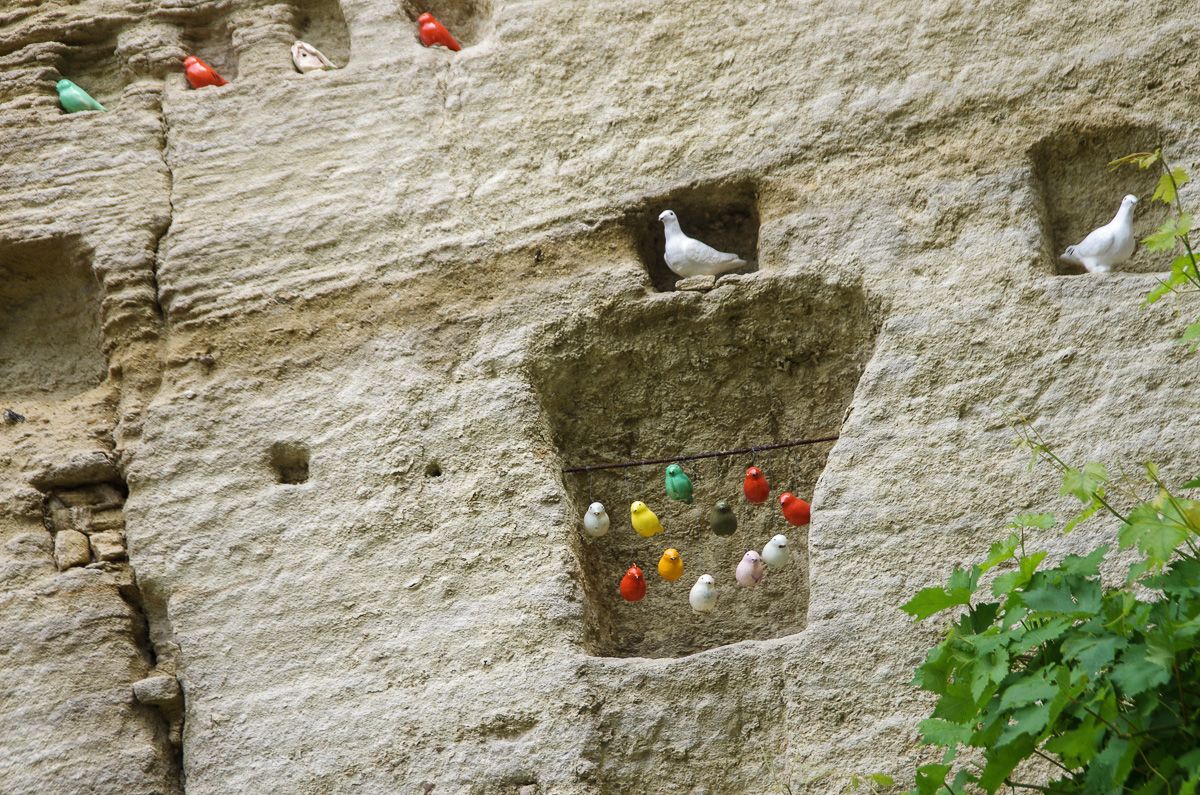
322,24
1079,192
97,69
723,214
50,318
210,38
773,360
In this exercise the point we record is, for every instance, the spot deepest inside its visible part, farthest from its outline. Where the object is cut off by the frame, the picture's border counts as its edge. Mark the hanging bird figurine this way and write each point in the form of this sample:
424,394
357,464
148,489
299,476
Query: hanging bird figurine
644,522
74,99
679,485
721,519
776,553
595,521
795,510
633,584
200,74
755,486
433,32
670,565
308,58
703,596
750,570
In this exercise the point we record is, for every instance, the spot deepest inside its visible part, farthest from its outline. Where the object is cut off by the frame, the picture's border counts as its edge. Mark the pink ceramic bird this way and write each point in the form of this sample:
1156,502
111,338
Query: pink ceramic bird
750,571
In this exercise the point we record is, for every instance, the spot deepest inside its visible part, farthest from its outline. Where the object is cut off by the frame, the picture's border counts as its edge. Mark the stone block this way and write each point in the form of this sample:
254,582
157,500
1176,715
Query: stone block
71,549
158,691
108,546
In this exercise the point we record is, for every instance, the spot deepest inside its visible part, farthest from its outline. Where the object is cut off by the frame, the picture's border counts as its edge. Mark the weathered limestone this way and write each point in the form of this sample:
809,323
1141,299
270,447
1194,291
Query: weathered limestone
346,329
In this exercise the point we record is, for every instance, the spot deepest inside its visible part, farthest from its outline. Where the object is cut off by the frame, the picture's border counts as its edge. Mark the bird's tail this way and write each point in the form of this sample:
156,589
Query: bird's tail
1069,256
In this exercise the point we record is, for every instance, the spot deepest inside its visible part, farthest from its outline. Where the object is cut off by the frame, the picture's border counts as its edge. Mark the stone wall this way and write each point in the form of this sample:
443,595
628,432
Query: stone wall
296,365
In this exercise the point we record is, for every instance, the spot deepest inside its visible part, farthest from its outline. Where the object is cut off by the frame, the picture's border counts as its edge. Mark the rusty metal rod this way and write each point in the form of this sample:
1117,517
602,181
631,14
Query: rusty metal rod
697,456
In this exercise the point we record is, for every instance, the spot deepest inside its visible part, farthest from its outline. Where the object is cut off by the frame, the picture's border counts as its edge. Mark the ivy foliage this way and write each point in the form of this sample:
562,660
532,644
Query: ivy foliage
1050,680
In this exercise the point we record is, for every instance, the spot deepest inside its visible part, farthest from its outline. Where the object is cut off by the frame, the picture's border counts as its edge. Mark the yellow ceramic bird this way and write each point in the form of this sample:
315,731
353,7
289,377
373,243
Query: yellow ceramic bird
644,522
670,565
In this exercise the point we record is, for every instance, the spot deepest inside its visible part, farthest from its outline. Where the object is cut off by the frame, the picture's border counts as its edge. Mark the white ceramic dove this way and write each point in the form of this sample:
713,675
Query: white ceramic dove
686,256
776,552
1111,244
703,596
308,58
595,521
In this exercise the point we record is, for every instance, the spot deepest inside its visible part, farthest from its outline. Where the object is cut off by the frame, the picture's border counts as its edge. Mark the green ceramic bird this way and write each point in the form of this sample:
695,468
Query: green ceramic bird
679,485
721,519
74,99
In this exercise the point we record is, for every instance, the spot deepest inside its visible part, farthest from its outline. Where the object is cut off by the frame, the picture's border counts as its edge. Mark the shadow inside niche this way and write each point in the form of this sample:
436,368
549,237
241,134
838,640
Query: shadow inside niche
1079,192
50,318
322,24
211,40
97,69
730,369
722,214
469,21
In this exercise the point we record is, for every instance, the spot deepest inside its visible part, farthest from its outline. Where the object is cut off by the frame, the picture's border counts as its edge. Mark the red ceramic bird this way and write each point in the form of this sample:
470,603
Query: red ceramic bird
633,584
200,74
795,510
755,486
434,32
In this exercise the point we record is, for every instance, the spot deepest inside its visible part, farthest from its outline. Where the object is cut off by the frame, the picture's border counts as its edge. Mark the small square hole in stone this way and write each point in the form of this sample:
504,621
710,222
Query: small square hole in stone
322,24
468,21
290,462
97,69
722,214
211,40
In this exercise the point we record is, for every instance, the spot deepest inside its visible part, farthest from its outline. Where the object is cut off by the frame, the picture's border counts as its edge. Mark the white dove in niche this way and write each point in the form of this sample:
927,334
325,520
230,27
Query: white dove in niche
1111,244
308,58
687,256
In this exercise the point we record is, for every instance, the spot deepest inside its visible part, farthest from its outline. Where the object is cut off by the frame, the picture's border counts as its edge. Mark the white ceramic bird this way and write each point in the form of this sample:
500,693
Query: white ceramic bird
686,256
750,570
1111,244
595,521
776,552
703,596
309,59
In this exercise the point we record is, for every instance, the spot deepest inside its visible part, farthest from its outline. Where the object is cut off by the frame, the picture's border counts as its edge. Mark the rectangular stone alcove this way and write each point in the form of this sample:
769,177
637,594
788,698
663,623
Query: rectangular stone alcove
469,21
210,38
322,24
50,318
97,69
723,214
1080,193
770,360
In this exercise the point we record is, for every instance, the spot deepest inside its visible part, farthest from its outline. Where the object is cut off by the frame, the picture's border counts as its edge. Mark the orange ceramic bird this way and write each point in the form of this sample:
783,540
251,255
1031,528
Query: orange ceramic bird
434,32
633,584
755,486
200,74
795,510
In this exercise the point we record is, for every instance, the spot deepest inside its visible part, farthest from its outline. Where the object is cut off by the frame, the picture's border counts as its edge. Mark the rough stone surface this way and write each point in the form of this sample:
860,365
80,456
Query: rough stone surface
341,332
157,690
107,546
71,549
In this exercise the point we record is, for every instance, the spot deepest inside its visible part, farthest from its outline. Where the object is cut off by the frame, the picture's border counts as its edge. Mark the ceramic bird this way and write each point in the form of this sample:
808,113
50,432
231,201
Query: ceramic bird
434,32
200,74
644,522
721,519
1111,244
703,596
795,510
776,552
688,257
595,521
755,486
308,58
74,99
633,584
670,565
750,570
679,485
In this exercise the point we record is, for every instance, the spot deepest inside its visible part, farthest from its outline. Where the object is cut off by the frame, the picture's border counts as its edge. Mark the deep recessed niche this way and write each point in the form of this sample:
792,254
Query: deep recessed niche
289,460
433,470
211,40
469,21
773,361
50,318
1080,193
722,214
322,24
97,69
